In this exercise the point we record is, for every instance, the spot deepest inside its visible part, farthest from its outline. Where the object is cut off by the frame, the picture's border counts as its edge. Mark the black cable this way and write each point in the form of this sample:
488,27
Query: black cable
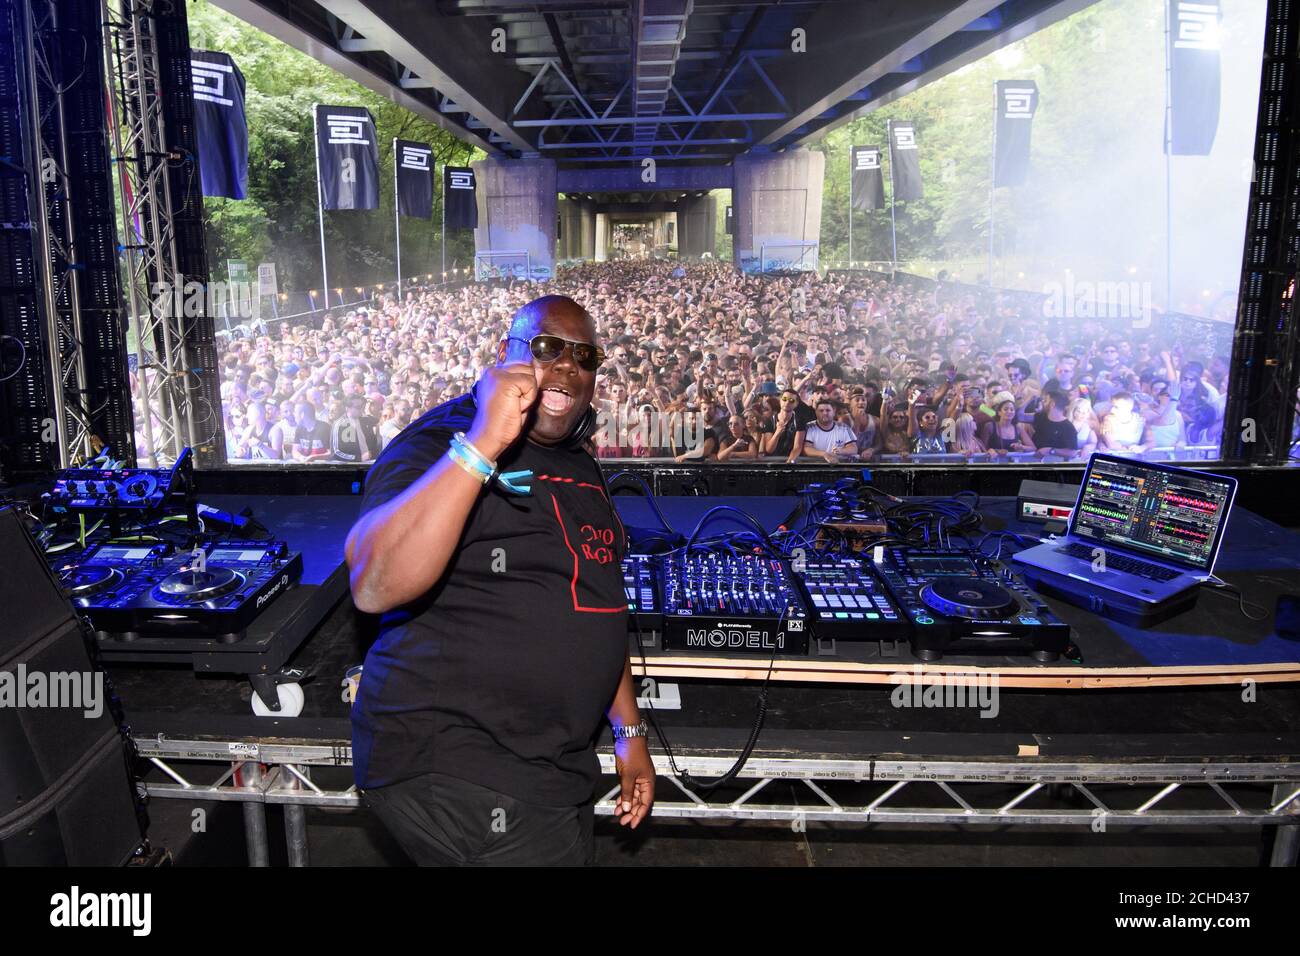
760,717
663,738
650,497
688,780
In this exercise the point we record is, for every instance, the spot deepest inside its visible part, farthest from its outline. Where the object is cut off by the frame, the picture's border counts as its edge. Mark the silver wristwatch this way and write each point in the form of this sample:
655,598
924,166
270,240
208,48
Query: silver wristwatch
634,730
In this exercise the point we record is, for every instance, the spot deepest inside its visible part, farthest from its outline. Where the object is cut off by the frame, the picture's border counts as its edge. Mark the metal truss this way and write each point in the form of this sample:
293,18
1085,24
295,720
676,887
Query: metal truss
801,791
1266,337
56,242
164,400
959,791
643,139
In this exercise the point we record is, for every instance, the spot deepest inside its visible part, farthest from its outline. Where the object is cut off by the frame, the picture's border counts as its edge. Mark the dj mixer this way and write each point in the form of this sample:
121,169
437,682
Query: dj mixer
939,600
733,602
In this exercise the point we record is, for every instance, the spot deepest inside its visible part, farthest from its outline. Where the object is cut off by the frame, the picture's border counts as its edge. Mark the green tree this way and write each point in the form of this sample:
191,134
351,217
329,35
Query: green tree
278,220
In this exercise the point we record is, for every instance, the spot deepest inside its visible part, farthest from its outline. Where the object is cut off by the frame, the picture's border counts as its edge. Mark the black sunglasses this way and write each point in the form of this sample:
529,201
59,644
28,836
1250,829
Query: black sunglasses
548,348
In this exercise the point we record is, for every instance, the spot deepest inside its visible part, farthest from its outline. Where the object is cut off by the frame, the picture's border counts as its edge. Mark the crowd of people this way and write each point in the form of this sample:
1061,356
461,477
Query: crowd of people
706,363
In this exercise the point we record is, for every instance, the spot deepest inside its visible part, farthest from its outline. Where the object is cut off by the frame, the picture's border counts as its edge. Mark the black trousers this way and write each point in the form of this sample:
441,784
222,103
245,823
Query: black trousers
445,821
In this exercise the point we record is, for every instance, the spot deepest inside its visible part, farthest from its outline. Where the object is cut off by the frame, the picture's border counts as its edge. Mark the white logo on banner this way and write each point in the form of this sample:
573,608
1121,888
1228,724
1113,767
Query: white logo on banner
1198,27
1017,100
347,130
415,158
904,137
869,159
209,82
462,180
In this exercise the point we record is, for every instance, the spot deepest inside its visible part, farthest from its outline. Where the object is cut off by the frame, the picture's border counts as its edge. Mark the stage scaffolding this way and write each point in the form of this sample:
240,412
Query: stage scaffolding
1097,795
65,378
146,62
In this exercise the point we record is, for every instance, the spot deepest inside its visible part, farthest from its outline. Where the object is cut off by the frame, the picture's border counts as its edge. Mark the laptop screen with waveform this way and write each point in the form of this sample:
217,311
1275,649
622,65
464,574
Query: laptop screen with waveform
1172,514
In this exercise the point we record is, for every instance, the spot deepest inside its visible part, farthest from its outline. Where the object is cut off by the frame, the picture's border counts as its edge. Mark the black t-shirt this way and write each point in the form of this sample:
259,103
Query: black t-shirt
799,421
350,439
721,433
1050,434
502,673
785,437
313,442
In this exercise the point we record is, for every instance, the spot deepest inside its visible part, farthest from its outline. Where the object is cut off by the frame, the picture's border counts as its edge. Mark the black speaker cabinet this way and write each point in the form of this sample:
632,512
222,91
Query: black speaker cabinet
66,794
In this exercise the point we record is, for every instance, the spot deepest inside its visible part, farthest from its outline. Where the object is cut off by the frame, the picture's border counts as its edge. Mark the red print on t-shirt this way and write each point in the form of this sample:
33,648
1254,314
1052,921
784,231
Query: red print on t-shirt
591,545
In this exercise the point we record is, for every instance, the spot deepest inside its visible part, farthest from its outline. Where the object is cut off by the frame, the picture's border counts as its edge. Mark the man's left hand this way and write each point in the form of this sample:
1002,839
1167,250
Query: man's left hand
636,774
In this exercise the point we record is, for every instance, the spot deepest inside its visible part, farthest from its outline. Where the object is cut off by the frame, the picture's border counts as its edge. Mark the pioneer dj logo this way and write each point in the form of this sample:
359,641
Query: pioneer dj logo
733,637
284,579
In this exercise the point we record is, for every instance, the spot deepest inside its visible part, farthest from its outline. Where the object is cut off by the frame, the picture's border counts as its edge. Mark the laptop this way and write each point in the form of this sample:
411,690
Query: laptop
1142,531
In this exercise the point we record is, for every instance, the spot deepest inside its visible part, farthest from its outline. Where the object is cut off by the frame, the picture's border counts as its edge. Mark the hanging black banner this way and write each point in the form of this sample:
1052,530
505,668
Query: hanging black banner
414,178
904,163
1017,102
459,197
220,124
731,223
1193,76
347,157
866,178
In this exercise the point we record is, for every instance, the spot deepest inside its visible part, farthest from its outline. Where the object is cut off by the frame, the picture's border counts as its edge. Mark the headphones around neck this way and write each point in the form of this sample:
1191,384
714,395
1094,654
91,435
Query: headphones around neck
585,430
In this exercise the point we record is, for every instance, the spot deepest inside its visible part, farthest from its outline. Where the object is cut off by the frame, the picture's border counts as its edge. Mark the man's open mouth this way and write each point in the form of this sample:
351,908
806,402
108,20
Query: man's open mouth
556,399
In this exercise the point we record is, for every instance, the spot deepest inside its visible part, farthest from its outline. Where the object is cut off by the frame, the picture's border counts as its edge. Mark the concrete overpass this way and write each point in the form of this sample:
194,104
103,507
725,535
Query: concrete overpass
669,98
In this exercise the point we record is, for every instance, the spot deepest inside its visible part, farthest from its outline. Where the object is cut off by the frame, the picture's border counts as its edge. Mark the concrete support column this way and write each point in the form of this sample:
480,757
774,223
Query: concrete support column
697,225
588,230
577,225
777,200
516,217
601,252
563,228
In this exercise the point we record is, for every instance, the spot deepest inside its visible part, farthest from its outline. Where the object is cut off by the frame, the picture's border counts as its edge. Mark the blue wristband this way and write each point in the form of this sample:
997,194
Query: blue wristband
471,459
468,464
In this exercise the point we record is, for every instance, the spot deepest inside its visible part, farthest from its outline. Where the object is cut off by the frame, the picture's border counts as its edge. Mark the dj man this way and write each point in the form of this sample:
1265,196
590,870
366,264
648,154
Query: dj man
504,638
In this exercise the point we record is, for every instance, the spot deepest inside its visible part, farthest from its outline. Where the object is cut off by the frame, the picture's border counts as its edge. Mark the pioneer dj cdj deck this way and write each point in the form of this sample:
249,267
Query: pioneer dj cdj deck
214,591
962,600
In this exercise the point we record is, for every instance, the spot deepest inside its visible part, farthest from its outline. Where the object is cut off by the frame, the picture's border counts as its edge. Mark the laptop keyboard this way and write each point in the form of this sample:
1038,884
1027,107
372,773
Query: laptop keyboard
1120,562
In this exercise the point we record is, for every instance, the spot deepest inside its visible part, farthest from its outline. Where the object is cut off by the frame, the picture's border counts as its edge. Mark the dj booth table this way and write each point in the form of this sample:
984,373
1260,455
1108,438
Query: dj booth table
1191,723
